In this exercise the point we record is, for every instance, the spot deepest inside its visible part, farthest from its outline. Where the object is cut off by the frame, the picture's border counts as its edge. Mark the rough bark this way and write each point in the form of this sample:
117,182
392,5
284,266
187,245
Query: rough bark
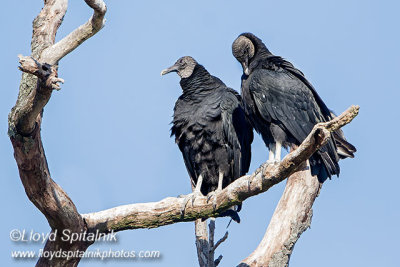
205,244
291,218
57,51
37,84
202,243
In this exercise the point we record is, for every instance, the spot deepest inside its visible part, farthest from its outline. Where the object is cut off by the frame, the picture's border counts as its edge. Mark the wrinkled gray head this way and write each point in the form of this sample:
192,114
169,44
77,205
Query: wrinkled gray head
243,50
183,66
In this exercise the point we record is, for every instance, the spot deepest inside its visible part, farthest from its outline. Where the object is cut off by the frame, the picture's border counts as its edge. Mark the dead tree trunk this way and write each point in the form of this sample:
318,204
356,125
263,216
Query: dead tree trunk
206,244
37,84
291,218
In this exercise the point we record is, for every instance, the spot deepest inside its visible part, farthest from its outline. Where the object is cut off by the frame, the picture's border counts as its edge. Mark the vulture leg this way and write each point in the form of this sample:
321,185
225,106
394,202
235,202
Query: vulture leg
231,212
272,150
220,180
192,196
213,194
278,150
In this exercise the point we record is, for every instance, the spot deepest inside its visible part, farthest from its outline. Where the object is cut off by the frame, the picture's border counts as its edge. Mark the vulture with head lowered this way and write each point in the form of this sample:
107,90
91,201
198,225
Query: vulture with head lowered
284,107
211,130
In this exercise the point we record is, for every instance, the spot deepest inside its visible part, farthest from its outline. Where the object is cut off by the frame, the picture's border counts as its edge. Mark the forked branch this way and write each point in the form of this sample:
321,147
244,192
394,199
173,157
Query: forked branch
46,73
66,45
37,84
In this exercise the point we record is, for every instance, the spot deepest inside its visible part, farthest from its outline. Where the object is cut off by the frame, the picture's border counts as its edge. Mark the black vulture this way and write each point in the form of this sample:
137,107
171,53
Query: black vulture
284,107
211,130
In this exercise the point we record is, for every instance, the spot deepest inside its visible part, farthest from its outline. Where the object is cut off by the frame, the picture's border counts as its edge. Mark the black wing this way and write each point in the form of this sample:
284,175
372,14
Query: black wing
185,128
199,133
284,99
344,148
238,132
286,65
281,97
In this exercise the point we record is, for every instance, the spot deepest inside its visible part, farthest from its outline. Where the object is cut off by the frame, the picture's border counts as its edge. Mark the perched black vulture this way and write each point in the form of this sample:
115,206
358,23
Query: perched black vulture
210,128
284,107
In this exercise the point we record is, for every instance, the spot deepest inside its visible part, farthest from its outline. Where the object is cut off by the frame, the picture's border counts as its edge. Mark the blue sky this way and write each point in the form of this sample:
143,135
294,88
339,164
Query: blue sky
106,133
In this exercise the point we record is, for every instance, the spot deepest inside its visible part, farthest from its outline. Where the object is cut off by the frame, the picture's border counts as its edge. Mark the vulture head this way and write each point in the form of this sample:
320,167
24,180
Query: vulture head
184,67
243,50
246,48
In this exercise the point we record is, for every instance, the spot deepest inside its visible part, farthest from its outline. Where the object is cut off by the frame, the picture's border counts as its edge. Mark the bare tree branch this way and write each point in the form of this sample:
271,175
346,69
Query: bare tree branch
219,242
293,213
37,83
202,243
205,243
218,260
46,73
291,218
167,211
53,54
211,231
31,99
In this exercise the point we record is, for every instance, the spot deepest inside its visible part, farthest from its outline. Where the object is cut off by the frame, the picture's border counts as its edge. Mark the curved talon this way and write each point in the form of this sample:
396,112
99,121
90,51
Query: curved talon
191,196
213,195
194,195
183,205
210,195
272,162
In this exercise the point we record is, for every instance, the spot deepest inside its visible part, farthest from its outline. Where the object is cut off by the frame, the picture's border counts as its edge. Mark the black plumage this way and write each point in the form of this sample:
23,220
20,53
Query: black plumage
283,106
210,128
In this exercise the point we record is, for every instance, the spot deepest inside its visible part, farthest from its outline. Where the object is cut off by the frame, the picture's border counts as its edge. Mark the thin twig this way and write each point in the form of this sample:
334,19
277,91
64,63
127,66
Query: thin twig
220,241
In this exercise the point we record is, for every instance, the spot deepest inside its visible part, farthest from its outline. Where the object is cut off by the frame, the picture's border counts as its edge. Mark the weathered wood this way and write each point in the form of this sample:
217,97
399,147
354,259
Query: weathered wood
47,196
291,218
205,244
37,84
57,51
47,74
202,243
31,99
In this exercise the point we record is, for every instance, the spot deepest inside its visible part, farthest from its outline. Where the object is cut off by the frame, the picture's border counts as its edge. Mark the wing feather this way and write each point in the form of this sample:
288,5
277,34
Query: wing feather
286,100
238,132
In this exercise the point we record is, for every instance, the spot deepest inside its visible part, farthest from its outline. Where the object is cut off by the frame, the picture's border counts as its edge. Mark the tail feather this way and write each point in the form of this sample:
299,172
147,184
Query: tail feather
324,163
344,148
318,168
233,214
323,166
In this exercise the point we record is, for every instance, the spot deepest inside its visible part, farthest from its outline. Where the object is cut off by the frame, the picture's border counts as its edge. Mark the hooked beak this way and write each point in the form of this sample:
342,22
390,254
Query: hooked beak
173,68
245,66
